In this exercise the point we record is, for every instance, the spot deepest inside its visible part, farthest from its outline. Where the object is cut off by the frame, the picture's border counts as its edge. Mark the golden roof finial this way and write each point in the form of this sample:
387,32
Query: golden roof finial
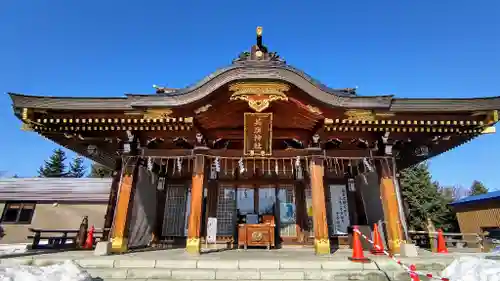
259,30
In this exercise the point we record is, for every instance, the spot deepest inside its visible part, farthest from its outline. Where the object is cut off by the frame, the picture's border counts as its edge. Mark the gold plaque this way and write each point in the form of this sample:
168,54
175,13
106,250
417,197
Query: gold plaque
258,134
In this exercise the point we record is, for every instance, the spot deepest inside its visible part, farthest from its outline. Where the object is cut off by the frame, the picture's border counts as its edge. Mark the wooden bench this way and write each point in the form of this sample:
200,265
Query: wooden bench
58,238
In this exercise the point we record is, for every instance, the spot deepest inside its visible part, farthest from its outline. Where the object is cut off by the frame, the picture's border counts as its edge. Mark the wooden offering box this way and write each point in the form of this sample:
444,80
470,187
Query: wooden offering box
257,234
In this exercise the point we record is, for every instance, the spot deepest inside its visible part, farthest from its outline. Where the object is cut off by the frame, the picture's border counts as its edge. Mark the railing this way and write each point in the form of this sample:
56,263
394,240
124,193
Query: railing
58,238
428,240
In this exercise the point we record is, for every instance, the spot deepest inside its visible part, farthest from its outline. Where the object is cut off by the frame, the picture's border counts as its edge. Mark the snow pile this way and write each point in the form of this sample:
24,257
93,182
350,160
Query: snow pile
9,249
67,271
496,250
472,269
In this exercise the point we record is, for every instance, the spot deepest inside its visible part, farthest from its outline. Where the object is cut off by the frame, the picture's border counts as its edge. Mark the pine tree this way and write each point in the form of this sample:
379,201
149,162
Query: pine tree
55,166
425,200
77,169
477,188
100,171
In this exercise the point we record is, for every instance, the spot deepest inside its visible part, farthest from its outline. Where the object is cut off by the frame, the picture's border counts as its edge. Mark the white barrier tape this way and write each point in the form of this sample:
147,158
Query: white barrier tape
405,267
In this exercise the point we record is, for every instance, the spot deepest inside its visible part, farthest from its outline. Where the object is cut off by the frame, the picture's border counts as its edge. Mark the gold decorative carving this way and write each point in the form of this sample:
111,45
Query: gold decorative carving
492,117
132,113
314,109
259,95
27,127
257,236
322,246
384,114
193,245
163,113
489,130
360,115
24,114
202,109
119,245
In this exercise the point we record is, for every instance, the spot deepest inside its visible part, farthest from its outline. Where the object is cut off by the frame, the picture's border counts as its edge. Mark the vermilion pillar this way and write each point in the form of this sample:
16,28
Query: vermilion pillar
193,243
321,240
390,205
119,242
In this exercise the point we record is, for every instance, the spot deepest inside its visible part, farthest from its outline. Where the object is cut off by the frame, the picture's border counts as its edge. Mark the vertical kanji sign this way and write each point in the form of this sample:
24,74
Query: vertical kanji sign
258,134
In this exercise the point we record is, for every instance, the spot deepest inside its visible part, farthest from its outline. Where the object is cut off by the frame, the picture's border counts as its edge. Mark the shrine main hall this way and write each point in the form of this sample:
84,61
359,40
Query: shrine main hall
257,154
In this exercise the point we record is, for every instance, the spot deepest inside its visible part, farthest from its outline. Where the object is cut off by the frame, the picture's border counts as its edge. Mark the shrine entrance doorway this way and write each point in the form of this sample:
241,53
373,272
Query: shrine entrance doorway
248,203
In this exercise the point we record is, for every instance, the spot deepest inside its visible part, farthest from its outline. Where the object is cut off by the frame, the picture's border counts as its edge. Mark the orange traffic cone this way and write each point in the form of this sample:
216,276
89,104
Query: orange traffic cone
413,275
378,246
441,247
357,249
89,243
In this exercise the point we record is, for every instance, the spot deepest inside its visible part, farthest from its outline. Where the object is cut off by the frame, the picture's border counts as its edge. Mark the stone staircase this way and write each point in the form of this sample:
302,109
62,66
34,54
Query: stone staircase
329,268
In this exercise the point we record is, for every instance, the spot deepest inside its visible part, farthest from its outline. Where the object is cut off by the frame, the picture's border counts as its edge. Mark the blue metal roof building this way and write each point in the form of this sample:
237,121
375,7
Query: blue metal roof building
477,198
478,213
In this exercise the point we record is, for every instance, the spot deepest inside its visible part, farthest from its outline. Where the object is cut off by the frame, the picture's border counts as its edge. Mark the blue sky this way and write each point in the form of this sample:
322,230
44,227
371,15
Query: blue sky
107,48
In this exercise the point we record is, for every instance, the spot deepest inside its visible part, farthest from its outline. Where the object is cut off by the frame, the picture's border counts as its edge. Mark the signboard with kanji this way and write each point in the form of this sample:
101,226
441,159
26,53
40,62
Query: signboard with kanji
258,134
339,208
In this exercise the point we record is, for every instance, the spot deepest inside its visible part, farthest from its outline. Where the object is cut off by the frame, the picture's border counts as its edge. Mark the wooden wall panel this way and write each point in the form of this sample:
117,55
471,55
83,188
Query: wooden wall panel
472,217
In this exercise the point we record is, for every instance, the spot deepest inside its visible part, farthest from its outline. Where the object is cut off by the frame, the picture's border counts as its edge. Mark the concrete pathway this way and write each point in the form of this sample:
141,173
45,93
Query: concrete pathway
254,264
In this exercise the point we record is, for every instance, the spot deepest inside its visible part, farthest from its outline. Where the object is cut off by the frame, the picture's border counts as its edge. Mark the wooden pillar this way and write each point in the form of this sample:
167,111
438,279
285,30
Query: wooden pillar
212,197
321,240
390,205
300,201
161,197
193,243
119,242
113,193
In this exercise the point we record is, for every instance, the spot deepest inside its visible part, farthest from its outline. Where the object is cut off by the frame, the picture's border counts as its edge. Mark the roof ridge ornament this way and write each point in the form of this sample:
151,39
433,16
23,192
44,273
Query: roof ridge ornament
164,90
259,53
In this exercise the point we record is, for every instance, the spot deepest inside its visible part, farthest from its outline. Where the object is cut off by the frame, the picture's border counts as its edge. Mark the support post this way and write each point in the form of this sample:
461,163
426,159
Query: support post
113,194
119,242
300,199
161,198
321,240
388,195
193,244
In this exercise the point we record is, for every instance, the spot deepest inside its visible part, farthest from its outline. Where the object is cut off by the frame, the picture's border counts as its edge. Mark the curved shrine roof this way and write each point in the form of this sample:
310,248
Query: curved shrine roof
257,64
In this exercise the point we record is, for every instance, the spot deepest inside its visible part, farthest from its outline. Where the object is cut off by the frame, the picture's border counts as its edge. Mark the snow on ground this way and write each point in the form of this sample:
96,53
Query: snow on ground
67,271
9,249
469,268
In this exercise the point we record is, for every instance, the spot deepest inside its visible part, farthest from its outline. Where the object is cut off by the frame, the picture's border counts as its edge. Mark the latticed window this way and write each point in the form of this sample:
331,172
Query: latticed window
288,215
226,210
176,210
